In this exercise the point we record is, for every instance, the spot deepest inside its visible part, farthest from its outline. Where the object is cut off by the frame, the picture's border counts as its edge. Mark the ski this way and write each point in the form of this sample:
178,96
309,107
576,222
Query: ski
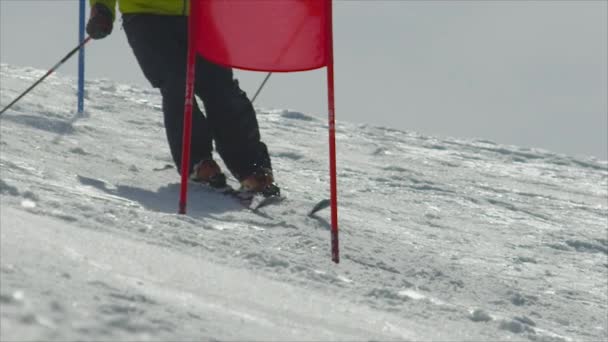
249,200
259,201
319,206
255,201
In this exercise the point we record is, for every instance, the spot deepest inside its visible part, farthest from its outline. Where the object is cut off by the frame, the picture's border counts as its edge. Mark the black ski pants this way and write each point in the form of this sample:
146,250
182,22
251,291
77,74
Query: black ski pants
160,44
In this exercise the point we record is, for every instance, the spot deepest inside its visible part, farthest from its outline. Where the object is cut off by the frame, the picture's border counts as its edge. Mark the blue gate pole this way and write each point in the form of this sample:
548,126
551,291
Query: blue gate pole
81,60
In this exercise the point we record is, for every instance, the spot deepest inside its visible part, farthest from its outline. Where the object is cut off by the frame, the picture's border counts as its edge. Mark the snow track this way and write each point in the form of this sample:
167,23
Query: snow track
442,238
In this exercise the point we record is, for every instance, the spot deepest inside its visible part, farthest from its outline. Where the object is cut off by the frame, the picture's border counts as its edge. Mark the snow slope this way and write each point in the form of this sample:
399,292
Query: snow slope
442,238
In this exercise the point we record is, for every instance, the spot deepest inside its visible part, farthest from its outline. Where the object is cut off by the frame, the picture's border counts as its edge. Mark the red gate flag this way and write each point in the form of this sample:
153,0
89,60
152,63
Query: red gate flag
262,35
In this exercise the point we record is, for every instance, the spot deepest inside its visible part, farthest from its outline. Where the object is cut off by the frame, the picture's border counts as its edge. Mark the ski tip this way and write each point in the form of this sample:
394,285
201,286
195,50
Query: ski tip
320,206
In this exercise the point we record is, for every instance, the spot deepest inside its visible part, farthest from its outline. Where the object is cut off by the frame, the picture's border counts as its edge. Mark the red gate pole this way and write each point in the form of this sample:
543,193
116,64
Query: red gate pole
335,250
187,133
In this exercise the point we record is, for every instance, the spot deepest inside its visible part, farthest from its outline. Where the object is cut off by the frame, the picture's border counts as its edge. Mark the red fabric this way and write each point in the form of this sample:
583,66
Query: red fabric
262,35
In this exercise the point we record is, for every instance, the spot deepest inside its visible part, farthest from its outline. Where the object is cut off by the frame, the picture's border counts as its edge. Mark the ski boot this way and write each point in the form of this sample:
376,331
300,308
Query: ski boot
208,172
261,181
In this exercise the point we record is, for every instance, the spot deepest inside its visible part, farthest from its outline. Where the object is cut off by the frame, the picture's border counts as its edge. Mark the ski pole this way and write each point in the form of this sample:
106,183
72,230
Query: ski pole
281,54
260,87
70,54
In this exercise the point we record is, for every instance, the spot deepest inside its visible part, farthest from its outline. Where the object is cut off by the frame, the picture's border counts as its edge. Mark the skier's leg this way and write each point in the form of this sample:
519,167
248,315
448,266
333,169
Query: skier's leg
173,110
232,120
159,46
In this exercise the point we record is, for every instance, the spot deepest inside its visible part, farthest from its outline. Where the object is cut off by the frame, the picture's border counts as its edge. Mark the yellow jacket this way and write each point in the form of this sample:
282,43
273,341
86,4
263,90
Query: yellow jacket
162,7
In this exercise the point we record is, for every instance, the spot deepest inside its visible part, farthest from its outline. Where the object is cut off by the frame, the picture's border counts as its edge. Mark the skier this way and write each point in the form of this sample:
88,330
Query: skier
157,31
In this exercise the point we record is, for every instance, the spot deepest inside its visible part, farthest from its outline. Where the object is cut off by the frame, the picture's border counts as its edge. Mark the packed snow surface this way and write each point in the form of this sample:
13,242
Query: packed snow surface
441,238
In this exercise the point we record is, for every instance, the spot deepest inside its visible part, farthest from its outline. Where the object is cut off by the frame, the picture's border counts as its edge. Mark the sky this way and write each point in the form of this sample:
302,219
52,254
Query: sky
526,73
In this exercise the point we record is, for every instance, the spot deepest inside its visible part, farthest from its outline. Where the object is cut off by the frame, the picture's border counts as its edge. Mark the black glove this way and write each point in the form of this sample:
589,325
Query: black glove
100,22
